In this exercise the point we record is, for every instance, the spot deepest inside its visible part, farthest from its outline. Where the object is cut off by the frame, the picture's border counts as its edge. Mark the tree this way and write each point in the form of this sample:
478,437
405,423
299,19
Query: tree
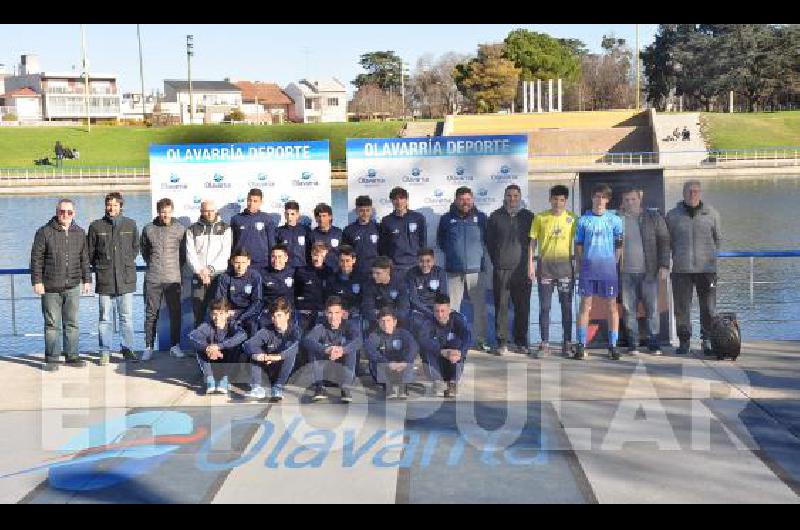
235,115
383,70
606,79
540,56
488,81
432,88
371,101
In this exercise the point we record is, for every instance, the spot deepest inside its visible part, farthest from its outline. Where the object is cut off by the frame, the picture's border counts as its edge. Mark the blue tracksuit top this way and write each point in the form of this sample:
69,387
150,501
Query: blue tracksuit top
254,232
244,293
402,237
348,288
461,240
269,340
296,238
423,288
400,346
364,240
310,286
332,238
226,338
322,336
455,335
276,284
376,296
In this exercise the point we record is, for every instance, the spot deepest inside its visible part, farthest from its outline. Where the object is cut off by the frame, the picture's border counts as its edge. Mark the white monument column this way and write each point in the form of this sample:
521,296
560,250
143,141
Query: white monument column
549,95
538,95
559,95
525,97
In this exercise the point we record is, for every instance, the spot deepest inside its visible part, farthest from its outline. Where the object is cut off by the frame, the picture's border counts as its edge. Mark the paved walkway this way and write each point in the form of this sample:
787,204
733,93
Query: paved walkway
642,430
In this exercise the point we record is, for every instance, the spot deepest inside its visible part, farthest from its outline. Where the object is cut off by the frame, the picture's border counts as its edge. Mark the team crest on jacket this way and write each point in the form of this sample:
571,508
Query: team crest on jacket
288,281
248,289
393,293
474,218
434,284
356,288
451,336
412,227
374,238
397,344
259,226
301,240
334,242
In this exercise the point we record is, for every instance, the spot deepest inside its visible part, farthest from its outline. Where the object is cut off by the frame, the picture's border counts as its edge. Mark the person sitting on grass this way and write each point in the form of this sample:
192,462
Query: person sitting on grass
272,351
242,290
218,346
391,352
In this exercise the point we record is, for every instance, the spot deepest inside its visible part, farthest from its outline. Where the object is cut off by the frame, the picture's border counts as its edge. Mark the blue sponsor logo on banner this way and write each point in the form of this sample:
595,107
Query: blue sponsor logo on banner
306,179
416,171
371,172
217,182
306,175
459,170
285,197
242,199
218,177
173,178
197,199
174,183
504,169
262,176
483,192
438,193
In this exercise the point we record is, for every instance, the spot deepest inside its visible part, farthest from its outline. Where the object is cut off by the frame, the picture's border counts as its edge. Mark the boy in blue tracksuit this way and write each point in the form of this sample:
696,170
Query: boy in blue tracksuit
333,344
326,233
218,346
423,283
347,284
254,231
272,352
382,290
277,282
460,235
294,234
391,352
402,233
362,234
310,285
242,290
444,341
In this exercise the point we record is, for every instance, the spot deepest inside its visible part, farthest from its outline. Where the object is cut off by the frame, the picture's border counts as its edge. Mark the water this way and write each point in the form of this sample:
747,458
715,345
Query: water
757,214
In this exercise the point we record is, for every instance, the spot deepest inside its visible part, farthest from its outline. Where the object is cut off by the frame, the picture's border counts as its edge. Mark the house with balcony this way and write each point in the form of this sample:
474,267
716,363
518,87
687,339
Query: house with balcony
318,101
212,100
264,102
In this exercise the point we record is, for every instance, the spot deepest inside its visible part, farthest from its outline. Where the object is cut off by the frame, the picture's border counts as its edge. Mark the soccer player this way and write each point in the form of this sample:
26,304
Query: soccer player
382,290
362,235
277,282
424,283
326,233
254,231
391,352
310,286
218,346
402,233
444,341
294,235
242,290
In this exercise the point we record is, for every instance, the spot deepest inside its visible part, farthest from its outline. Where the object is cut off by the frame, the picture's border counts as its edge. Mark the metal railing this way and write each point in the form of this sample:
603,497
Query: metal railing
64,174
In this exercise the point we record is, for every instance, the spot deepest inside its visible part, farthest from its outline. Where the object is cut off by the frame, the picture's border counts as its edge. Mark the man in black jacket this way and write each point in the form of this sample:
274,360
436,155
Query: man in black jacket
113,244
59,263
507,239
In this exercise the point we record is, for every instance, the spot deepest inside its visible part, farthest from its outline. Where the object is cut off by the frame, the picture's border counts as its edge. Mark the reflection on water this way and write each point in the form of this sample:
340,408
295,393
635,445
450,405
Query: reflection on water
757,214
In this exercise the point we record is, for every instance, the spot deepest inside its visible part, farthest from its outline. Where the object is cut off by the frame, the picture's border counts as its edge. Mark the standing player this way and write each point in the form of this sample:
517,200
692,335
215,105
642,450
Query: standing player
362,235
254,231
294,235
326,233
402,234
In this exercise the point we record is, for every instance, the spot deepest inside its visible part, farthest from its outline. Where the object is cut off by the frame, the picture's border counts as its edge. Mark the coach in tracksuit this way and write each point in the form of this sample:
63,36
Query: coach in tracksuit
384,289
402,234
335,341
444,341
424,282
507,241
294,234
326,233
276,282
254,231
460,236
362,234
242,290
208,249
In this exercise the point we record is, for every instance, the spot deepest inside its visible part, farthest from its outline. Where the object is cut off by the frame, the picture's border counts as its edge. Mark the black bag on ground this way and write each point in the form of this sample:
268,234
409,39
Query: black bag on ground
726,339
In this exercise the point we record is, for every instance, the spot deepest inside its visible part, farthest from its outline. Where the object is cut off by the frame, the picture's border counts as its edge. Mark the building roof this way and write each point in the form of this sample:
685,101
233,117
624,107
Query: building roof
202,86
315,86
21,93
267,93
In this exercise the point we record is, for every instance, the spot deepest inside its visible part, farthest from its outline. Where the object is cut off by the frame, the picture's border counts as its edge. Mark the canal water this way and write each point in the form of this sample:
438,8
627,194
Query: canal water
757,214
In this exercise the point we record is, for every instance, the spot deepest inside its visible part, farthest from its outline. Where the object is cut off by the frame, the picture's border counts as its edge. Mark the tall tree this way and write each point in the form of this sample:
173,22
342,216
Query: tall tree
383,70
540,56
488,81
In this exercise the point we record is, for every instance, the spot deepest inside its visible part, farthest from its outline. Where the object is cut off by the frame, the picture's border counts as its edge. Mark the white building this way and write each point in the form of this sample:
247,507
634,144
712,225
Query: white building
318,101
22,103
131,106
212,99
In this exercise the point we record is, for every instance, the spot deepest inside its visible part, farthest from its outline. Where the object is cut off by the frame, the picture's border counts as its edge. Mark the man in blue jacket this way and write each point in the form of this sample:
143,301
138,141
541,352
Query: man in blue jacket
444,342
326,233
424,283
218,346
391,352
254,231
333,344
460,237
294,234
242,290
384,289
362,234
402,234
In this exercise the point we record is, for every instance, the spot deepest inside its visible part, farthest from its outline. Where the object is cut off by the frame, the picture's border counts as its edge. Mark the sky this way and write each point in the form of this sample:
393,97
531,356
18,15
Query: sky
276,53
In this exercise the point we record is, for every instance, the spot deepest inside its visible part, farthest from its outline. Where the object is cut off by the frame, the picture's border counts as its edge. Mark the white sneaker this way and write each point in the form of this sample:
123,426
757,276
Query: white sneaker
257,392
147,354
176,352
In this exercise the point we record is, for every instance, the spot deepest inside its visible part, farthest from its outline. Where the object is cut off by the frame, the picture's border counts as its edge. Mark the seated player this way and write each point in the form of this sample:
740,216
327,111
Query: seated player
294,235
242,290
384,289
272,352
277,282
444,342
310,285
391,352
424,282
333,344
326,233
218,346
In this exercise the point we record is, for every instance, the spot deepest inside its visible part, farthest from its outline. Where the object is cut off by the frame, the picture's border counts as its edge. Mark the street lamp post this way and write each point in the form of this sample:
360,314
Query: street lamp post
189,53
85,69
141,70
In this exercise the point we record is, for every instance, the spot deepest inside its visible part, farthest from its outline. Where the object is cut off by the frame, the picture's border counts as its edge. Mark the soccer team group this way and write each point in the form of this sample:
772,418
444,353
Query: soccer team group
275,299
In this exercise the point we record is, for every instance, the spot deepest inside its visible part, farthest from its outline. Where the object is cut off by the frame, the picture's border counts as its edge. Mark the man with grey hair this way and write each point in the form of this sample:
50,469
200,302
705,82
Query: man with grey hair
59,264
208,248
695,237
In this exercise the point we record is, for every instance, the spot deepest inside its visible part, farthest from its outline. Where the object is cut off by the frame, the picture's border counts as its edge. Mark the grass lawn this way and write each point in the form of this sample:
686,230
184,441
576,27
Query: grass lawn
745,131
128,146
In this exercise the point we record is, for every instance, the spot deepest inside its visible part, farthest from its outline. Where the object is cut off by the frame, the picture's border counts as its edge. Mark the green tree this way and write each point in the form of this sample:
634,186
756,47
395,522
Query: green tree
540,56
383,70
235,115
488,81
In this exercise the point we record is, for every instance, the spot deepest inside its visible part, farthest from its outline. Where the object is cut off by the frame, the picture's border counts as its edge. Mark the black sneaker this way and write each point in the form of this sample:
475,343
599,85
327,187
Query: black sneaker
683,348
75,362
566,349
346,396
452,389
403,392
580,351
51,366
391,392
129,355
707,349
613,352
319,393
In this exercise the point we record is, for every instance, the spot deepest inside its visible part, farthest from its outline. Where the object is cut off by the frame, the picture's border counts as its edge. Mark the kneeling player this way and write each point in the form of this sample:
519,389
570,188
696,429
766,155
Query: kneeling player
391,352
272,351
444,342
382,290
242,290
424,283
218,346
310,285
333,344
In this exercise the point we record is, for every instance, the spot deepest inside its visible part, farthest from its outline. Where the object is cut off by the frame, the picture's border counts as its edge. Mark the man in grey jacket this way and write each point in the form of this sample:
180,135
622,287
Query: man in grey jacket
645,261
113,242
59,264
163,251
208,248
695,237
